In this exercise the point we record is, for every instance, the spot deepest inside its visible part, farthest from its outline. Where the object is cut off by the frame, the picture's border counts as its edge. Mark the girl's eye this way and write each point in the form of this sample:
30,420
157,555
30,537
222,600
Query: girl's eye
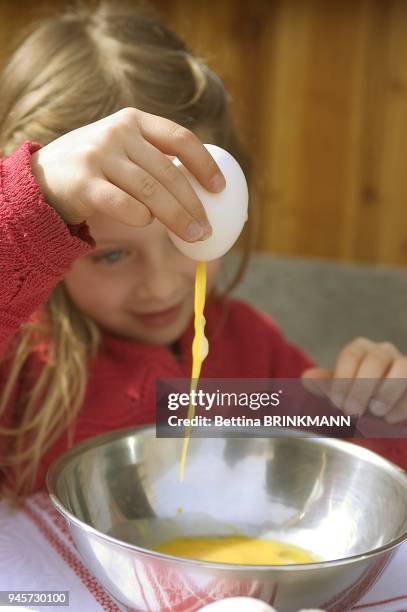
112,256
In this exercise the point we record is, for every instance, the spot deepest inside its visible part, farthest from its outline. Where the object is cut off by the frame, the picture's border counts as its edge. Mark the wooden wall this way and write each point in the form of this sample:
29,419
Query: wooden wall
320,94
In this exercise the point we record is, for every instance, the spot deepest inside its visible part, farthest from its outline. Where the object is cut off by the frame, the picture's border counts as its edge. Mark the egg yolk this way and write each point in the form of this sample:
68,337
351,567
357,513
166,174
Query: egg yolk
236,549
199,350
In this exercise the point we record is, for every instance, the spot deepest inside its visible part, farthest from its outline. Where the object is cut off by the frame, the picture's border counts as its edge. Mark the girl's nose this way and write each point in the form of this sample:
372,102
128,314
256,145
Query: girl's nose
160,283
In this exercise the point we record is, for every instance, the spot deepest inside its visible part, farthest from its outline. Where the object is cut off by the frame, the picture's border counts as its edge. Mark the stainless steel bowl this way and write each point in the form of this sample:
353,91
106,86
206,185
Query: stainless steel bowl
121,494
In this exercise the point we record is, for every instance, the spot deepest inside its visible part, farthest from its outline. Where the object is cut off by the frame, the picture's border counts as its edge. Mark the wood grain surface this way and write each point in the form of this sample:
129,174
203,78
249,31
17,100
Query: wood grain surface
319,92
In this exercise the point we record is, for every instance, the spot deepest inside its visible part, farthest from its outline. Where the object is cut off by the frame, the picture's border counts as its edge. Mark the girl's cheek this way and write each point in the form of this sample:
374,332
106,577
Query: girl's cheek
95,288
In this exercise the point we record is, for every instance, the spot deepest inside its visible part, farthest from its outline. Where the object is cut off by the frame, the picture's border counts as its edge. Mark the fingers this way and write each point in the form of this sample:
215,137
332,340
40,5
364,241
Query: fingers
346,367
173,139
151,177
174,193
390,399
109,199
367,375
142,187
372,369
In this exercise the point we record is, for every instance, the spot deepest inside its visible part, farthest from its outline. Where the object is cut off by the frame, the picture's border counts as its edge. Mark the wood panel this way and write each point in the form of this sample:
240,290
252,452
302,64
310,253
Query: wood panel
319,90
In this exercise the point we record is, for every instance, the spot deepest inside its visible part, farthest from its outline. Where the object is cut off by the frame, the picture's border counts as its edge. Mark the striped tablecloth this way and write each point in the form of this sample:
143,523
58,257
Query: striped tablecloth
37,553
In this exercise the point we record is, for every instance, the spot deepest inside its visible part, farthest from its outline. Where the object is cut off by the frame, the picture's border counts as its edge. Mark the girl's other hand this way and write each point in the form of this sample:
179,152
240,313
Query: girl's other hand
367,376
121,166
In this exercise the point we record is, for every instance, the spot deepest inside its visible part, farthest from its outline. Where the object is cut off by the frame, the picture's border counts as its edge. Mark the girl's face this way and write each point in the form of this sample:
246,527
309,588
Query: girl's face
136,284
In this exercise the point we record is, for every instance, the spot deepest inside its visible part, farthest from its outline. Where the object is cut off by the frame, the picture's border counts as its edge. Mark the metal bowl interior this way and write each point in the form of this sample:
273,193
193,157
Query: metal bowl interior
333,498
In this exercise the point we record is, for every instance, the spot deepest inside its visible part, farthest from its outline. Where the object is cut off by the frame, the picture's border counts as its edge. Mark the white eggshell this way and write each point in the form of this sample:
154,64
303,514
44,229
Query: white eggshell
226,211
238,604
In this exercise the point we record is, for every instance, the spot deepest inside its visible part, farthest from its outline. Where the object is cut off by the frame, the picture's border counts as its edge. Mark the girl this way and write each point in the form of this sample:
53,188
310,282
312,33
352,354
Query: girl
96,303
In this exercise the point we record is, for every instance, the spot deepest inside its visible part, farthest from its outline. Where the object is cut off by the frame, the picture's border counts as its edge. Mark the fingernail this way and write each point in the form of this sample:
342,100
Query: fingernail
207,230
352,406
195,231
378,408
218,182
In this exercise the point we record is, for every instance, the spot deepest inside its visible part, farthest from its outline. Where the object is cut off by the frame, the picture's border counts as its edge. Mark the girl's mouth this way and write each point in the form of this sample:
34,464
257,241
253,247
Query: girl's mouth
158,319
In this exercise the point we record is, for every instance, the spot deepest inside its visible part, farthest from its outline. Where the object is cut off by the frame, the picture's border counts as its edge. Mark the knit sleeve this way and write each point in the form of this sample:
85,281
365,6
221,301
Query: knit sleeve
36,246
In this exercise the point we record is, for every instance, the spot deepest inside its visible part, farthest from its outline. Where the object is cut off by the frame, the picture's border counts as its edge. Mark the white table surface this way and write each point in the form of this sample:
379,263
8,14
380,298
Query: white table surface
37,553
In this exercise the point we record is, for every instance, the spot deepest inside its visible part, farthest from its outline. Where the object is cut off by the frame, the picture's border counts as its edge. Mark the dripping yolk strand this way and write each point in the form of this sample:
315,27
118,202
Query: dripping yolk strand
199,350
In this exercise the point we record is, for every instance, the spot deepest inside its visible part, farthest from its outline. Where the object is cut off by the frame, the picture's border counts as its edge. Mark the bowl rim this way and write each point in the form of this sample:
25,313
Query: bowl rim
95,441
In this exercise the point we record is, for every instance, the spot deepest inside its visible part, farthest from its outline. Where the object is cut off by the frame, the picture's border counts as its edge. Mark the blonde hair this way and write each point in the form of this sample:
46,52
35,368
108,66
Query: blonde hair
70,70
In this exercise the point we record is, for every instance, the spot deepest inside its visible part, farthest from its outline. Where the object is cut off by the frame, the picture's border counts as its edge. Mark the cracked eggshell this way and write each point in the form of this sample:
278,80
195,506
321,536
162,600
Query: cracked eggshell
226,211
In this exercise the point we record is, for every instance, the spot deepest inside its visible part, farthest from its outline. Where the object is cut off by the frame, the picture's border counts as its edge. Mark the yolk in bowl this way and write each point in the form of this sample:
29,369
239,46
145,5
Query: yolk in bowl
236,549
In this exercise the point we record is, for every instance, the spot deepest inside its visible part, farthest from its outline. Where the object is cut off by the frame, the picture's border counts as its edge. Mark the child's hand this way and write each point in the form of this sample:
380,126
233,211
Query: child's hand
363,359
118,166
